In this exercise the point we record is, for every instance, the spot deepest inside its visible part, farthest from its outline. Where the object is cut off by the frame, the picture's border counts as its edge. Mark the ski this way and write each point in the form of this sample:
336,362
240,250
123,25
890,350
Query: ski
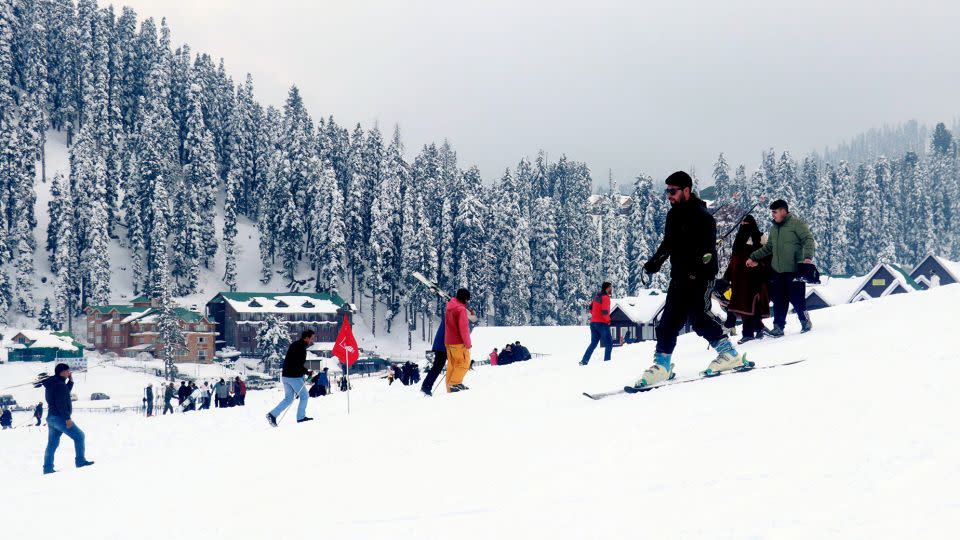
674,381
432,285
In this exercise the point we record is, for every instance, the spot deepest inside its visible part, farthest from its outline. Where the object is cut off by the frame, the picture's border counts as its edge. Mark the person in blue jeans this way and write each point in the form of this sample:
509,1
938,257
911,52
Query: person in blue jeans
59,421
294,368
600,323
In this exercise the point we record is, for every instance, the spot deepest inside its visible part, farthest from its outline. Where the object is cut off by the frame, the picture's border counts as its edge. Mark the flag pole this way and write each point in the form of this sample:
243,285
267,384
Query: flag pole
348,379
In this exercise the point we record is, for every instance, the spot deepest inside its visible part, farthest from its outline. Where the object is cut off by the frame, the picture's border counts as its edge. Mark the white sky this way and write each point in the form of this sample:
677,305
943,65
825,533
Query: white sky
630,86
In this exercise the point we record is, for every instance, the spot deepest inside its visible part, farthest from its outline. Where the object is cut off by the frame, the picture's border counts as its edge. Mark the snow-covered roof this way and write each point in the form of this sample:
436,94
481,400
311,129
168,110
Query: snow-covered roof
639,309
283,304
836,291
952,268
134,316
138,348
45,339
900,278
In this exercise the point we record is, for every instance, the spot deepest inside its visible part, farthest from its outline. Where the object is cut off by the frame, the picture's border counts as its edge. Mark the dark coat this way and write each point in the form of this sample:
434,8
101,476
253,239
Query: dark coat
57,393
748,286
690,233
38,411
6,419
294,364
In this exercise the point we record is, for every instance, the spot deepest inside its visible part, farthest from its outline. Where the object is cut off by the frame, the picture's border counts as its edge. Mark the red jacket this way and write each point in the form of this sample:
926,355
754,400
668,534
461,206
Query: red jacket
493,358
456,324
600,308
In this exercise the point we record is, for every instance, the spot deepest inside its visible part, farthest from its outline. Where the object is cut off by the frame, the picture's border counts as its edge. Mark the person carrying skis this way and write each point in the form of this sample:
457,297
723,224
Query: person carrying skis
167,396
599,324
748,291
294,368
439,359
790,242
457,340
59,418
690,242
38,412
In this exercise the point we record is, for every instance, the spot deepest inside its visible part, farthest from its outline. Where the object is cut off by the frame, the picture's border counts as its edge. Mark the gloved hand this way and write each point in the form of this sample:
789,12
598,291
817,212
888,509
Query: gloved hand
651,267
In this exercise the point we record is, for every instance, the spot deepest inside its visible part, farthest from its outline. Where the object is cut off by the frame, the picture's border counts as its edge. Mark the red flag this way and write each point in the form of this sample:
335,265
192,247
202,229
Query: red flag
345,348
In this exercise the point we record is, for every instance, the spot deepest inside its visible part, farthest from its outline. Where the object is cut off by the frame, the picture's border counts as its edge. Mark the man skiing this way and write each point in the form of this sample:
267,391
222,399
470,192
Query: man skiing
690,242
294,368
790,242
38,412
57,391
457,340
599,324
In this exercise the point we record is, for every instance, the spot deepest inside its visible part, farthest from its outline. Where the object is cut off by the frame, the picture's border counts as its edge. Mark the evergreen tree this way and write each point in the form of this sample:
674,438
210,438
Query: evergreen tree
885,213
202,178
230,204
46,320
721,180
613,241
641,233
543,247
273,339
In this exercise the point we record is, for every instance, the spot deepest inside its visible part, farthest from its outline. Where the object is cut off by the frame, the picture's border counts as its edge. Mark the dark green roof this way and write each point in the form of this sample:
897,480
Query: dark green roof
140,299
906,276
247,296
121,308
186,315
72,338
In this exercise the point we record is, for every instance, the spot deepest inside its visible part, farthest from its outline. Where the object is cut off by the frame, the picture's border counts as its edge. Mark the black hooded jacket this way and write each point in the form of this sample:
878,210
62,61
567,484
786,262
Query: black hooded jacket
689,234
57,393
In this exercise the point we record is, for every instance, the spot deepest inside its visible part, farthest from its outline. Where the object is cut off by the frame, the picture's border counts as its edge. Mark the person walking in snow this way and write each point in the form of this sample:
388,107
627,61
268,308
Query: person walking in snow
239,391
222,393
148,399
457,340
6,419
439,351
183,392
38,412
790,243
60,419
294,368
167,396
599,324
690,242
205,395
748,289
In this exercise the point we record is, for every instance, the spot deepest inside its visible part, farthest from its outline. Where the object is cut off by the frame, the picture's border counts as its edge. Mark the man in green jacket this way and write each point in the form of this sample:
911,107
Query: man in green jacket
790,243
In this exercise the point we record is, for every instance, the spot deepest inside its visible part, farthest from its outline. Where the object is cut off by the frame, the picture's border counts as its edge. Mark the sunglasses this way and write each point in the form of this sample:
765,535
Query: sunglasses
672,191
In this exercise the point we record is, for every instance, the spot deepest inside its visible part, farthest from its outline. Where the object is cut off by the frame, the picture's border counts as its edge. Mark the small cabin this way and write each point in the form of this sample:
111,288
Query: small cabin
884,280
816,300
635,318
934,271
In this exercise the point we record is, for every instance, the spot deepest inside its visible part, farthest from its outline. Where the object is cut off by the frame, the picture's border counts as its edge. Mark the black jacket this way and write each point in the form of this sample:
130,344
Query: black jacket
57,392
38,411
689,234
294,365
183,392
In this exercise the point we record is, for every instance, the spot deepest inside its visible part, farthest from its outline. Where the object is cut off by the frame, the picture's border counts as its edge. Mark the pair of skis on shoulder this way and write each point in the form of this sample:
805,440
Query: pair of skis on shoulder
674,381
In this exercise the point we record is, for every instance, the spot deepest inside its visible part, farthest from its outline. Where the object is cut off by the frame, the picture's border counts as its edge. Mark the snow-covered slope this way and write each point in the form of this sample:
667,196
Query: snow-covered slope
859,441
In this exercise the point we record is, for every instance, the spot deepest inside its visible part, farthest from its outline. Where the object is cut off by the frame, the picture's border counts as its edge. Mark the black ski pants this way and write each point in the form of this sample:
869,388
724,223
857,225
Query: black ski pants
688,301
439,361
785,291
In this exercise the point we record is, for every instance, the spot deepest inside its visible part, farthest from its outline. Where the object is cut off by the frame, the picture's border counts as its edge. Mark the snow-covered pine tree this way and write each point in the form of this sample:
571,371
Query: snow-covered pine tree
230,205
201,177
45,319
88,176
740,190
543,248
887,218
273,339
359,202
331,244
721,180
806,192
867,223
820,218
268,200
470,237
385,219
786,179
641,233
572,190
613,240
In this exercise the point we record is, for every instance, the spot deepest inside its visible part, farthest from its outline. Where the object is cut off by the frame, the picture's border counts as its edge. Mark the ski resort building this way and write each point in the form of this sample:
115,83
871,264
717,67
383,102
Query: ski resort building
883,280
635,318
238,316
934,271
41,346
128,330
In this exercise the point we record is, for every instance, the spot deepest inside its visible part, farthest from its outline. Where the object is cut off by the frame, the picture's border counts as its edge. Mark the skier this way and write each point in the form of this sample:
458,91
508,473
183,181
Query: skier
457,340
790,242
748,296
147,400
57,390
294,369
167,396
599,324
6,419
439,359
690,242
38,412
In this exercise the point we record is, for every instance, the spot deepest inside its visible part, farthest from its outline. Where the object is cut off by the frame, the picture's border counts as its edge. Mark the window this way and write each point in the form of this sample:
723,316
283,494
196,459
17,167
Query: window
201,354
118,340
245,339
116,327
99,340
201,339
879,282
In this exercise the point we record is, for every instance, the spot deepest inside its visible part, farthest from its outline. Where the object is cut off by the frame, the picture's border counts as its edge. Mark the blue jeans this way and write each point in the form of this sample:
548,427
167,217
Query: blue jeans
56,427
599,333
291,386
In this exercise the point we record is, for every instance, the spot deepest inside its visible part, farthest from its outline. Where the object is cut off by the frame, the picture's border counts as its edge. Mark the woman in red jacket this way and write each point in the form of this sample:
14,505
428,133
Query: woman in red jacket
600,323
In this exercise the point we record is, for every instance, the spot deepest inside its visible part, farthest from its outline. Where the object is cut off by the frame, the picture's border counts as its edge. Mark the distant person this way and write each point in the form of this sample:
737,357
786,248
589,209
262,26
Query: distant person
294,368
183,392
205,395
493,357
6,419
222,393
790,243
38,412
457,340
599,324
168,394
59,418
239,391
522,351
148,399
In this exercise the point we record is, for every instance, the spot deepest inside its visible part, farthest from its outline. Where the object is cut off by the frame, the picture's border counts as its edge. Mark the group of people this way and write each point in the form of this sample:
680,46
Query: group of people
758,272
510,353
6,416
191,397
407,373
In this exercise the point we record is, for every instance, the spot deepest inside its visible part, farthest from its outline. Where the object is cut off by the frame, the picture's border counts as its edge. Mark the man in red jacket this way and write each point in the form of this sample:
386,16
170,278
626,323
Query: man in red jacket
457,340
600,323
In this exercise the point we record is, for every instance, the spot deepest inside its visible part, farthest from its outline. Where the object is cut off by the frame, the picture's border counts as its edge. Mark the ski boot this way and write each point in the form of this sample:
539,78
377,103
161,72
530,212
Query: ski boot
660,371
725,362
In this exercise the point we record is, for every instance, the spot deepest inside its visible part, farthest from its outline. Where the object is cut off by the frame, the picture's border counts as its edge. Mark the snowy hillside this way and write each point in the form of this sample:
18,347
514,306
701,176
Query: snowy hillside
856,442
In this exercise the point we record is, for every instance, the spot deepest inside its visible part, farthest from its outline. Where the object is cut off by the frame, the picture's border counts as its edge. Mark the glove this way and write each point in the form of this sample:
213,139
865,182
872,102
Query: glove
651,267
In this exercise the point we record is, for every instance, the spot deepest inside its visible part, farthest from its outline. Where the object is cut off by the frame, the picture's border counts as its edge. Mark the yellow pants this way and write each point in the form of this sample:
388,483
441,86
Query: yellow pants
458,362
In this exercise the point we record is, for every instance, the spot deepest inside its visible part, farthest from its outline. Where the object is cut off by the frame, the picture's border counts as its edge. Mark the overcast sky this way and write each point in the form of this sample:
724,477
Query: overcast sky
630,86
